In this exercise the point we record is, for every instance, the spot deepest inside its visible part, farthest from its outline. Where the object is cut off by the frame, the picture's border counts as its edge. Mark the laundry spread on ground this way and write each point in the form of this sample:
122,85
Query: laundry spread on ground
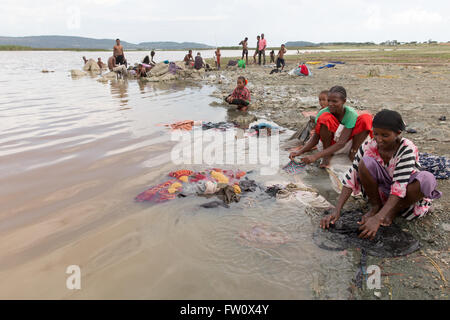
439,166
329,65
188,125
298,194
389,241
224,184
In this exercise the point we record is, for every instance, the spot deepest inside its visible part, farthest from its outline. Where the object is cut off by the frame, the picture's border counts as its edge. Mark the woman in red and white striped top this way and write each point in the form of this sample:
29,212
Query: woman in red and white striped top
386,170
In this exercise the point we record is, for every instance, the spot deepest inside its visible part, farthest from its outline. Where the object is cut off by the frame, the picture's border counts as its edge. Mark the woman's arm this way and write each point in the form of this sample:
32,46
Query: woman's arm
313,141
345,135
336,214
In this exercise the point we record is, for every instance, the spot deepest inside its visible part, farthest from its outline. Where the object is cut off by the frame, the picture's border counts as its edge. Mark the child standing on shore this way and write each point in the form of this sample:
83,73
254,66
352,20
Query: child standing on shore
280,59
217,53
240,95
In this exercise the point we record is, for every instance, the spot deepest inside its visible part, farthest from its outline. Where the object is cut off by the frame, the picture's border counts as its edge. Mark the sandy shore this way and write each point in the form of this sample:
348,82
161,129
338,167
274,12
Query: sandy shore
415,83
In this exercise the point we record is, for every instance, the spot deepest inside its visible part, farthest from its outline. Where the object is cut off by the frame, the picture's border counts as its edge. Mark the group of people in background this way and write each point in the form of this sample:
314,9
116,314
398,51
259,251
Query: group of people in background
260,51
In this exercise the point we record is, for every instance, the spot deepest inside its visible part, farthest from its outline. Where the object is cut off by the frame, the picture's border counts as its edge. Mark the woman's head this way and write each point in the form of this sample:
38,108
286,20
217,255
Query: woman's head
337,96
241,82
387,126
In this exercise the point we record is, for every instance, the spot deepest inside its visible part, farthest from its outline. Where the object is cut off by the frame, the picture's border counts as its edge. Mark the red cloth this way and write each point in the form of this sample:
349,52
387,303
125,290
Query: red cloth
363,123
243,94
304,70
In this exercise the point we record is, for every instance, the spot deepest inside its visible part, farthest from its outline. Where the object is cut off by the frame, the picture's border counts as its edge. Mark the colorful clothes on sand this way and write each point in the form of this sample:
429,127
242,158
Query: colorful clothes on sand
439,166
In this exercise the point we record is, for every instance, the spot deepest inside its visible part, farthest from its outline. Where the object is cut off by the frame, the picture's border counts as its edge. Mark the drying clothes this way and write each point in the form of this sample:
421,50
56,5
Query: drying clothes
210,187
157,194
182,125
263,126
330,65
336,62
220,177
180,173
312,199
273,190
389,241
294,167
174,187
218,125
248,185
215,181
214,204
437,165
227,195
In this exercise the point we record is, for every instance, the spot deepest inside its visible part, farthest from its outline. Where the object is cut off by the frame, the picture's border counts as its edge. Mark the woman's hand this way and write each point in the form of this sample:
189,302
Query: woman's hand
330,219
309,159
369,227
294,154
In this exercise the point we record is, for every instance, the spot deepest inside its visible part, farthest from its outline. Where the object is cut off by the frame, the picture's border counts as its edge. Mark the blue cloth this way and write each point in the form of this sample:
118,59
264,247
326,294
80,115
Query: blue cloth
336,62
330,65
439,166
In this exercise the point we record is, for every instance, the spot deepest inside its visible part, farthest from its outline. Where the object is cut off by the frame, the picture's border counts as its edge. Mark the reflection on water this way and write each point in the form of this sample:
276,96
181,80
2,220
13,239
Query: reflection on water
75,153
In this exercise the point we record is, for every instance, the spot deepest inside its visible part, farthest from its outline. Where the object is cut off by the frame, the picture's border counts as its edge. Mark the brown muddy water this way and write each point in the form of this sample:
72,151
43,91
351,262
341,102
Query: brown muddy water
73,155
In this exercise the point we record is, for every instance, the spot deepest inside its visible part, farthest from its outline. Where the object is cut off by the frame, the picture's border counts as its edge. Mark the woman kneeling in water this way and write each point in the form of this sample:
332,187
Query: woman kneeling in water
386,170
336,126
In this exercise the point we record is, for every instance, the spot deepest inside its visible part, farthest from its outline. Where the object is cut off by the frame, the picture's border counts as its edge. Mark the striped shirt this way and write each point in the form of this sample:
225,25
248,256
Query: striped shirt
402,165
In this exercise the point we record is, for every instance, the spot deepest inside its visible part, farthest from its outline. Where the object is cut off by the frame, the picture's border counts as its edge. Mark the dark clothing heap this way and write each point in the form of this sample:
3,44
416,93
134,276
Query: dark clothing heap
389,241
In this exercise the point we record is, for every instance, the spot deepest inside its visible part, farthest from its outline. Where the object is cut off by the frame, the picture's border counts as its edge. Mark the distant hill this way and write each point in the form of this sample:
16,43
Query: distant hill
312,44
67,42
300,44
173,45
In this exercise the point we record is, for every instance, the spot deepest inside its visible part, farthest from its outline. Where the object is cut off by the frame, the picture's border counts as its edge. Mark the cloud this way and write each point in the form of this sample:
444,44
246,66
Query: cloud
186,18
414,16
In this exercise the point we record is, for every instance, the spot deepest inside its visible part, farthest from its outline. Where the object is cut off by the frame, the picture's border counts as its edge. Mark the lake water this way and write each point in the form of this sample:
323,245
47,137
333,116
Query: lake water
73,155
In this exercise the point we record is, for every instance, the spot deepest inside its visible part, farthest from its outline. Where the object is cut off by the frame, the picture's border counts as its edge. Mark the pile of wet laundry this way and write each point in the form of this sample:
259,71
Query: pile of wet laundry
226,185
297,193
391,241
439,166
188,125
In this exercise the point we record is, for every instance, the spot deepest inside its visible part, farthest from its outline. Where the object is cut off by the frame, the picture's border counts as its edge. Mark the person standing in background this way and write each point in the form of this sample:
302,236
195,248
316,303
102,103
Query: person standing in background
257,48
244,44
262,49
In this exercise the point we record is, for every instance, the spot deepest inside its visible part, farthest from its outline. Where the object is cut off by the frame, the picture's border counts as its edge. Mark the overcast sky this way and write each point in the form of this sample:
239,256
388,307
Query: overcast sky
227,22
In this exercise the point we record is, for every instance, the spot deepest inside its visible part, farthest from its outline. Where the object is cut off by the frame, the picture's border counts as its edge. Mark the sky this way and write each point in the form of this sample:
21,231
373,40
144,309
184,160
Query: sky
225,23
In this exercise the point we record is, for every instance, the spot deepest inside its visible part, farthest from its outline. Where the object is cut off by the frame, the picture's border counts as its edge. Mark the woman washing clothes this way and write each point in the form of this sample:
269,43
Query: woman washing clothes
338,128
386,170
